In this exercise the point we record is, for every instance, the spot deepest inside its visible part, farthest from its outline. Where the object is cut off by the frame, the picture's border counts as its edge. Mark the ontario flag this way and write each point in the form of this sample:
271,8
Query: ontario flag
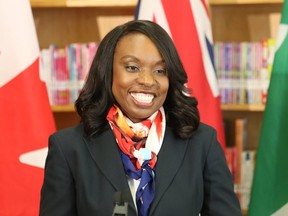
26,119
188,23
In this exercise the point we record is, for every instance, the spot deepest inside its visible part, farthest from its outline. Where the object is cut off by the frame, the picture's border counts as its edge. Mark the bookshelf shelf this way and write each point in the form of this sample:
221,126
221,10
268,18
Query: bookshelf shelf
83,3
243,107
227,2
48,3
63,108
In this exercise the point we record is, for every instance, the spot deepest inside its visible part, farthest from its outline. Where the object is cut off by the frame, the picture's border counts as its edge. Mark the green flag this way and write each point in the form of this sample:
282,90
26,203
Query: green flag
269,195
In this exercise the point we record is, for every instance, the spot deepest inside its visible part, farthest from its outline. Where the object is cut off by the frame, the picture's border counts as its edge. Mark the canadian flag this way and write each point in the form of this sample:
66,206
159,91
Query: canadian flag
26,119
188,24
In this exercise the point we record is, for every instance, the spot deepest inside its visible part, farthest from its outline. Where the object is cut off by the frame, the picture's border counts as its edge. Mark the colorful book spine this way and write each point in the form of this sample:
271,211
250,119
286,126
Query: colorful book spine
243,70
65,70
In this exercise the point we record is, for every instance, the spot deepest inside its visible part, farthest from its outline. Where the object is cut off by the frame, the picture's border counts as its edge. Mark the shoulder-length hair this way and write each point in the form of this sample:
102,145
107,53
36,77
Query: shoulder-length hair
96,97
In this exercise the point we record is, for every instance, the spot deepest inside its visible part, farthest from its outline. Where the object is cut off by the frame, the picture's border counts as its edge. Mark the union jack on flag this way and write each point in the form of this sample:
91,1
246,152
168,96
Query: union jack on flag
188,24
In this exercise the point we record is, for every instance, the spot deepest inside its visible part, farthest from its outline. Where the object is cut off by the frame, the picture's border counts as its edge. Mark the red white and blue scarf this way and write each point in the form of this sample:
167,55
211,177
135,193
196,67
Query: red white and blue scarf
139,144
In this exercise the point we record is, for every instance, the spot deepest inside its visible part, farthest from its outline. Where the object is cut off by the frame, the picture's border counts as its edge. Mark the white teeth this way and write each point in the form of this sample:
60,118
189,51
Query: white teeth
143,98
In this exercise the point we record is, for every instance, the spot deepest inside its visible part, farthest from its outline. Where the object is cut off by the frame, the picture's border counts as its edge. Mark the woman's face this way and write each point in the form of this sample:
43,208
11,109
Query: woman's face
140,82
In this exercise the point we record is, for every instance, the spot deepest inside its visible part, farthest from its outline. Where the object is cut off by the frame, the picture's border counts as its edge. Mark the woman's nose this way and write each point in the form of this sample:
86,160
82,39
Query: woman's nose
146,77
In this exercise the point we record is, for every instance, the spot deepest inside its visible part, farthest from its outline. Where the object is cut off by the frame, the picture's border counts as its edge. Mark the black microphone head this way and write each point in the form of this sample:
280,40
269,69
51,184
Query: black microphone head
117,197
121,200
125,196
121,196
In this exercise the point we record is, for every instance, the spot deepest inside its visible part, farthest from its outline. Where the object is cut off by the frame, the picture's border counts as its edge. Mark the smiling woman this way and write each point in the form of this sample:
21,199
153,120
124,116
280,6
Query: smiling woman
140,83
140,134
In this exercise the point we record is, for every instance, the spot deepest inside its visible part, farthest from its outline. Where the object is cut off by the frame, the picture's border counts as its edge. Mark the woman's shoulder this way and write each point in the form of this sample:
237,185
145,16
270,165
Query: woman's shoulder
205,128
69,139
70,130
69,133
204,134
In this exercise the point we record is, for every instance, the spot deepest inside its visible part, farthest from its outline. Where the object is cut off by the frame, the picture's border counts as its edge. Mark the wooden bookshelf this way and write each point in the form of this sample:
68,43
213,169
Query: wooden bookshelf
245,20
238,21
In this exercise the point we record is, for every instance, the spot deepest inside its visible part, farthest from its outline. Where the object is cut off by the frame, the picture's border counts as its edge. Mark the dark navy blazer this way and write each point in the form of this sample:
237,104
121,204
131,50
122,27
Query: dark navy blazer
191,176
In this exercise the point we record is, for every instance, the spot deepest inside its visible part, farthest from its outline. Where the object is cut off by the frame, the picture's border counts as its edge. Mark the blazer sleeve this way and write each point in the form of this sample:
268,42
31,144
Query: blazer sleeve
219,196
58,191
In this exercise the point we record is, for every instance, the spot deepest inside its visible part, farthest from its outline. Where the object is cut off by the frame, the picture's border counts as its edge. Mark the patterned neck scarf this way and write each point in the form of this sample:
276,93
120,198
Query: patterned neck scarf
139,144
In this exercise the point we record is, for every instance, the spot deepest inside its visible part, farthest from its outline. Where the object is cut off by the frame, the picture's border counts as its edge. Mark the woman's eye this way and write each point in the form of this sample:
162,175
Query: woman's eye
131,68
161,71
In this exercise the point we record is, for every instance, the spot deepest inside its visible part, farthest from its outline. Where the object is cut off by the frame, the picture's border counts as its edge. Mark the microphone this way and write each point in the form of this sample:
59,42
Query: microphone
120,200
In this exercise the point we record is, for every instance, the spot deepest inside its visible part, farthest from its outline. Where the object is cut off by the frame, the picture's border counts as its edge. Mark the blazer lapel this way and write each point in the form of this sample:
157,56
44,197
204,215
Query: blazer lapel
106,155
169,161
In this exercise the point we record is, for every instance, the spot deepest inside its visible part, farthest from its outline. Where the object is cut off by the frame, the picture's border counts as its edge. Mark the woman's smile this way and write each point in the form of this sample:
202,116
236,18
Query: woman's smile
144,99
